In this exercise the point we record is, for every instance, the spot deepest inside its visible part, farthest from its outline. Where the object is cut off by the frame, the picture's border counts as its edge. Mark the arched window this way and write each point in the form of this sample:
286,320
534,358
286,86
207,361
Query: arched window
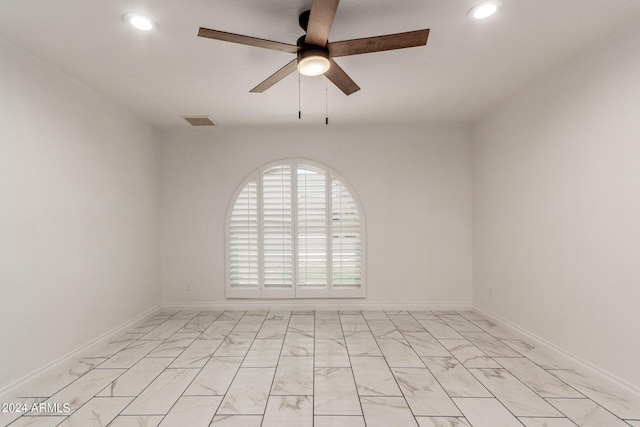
295,230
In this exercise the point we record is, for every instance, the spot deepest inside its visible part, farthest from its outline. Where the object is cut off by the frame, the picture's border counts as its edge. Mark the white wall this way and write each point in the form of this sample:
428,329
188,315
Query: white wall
78,215
414,184
556,208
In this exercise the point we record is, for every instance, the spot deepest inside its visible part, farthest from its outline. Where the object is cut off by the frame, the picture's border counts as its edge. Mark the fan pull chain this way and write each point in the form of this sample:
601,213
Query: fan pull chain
299,108
326,101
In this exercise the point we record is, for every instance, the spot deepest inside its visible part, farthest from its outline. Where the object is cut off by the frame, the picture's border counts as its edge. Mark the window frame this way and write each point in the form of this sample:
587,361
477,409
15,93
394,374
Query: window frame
295,292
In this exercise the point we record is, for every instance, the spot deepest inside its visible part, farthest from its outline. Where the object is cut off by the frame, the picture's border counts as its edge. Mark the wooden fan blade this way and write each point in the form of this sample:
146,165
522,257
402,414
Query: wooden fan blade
320,21
246,40
379,43
341,79
276,77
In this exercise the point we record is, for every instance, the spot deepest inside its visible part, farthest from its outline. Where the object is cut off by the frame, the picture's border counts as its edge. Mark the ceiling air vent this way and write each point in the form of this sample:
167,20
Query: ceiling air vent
199,120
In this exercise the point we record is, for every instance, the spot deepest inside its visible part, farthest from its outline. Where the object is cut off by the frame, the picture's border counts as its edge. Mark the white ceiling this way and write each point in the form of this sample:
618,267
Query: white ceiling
466,68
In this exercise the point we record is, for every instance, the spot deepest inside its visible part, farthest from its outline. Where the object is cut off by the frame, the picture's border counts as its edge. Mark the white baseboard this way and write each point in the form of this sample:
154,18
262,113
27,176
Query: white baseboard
315,305
577,362
78,353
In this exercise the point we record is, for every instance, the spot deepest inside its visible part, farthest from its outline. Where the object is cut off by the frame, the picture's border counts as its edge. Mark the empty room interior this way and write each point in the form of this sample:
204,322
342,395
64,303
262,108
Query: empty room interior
320,213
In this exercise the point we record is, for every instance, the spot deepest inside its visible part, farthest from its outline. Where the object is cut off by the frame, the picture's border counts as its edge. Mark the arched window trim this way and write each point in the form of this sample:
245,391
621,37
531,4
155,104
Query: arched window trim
295,291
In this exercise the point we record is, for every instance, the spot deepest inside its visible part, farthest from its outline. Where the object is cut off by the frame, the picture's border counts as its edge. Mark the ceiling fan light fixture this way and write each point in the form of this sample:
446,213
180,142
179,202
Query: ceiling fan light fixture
485,9
139,21
313,62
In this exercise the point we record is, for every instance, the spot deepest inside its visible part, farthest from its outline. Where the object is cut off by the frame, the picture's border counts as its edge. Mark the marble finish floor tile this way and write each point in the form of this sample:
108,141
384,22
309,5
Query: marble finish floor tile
490,345
422,315
248,392
439,329
399,354
289,411
353,323
619,405
235,344
455,378
326,329
219,330
513,394
320,369
373,377
423,393
98,412
492,328
375,315
197,354
249,323
84,388
162,393
298,344
278,315
338,421
468,354
294,377
273,329
486,413
136,379
326,315
165,330
131,355
442,422
424,344
192,411
331,353
406,323
471,315
198,324
263,354
302,322
111,348
231,315
45,421
384,328
174,345
335,392
51,382
459,323
362,344
586,413
136,421
236,421
535,354
536,378
215,377
387,411
547,422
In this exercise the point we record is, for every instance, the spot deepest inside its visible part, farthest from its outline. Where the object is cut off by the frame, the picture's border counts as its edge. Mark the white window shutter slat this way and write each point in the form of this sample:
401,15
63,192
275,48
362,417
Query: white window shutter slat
312,227
243,239
345,239
277,227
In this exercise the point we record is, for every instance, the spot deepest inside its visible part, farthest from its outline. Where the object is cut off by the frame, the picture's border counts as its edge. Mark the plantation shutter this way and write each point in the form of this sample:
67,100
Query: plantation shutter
277,228
295,231
345,238
312,228
243,239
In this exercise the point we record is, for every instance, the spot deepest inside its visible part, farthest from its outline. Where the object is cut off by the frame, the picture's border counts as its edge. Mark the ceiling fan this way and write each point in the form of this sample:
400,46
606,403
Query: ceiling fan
315,53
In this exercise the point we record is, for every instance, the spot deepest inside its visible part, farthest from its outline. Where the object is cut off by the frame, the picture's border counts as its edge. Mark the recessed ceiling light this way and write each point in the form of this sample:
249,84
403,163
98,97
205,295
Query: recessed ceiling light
485,9
141,22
